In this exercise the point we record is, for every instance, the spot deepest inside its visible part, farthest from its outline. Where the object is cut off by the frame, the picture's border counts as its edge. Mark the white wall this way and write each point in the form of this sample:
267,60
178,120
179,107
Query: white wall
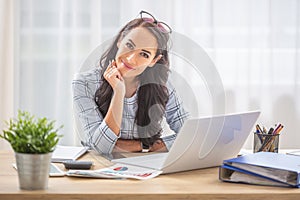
253,43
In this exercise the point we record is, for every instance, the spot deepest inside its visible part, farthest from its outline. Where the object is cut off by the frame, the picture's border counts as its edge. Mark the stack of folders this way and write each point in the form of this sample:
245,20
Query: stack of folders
263,168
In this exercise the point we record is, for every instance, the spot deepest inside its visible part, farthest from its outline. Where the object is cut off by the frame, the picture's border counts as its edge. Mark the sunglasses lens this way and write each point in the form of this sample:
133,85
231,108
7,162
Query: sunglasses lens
150,20
164,28
147,17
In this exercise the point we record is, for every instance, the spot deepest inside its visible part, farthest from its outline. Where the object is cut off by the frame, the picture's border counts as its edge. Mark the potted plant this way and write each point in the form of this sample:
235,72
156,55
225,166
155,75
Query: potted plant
33,141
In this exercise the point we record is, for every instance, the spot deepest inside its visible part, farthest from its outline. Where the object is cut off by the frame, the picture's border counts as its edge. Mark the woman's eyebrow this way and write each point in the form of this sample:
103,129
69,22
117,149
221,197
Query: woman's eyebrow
146,51
132,42
135,46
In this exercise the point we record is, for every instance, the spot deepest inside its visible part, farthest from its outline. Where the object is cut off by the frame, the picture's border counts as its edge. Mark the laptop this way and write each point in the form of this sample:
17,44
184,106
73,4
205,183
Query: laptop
201,143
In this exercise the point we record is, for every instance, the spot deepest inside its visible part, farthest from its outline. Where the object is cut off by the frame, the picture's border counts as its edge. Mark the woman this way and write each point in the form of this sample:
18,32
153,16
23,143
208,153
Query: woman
121,104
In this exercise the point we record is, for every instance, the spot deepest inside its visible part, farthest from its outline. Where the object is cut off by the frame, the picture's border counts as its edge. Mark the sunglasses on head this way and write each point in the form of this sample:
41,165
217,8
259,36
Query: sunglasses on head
147,17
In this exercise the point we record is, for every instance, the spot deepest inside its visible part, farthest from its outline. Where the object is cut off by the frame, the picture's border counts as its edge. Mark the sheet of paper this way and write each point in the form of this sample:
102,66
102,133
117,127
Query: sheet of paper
117,171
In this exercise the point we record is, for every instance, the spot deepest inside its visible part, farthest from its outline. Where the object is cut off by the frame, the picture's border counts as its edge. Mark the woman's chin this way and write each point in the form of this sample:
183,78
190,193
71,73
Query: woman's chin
126,75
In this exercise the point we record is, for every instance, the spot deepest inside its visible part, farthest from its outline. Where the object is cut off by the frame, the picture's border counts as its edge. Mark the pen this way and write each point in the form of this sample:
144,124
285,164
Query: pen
271,131
258,128
264,130
279,129
274,132
258,133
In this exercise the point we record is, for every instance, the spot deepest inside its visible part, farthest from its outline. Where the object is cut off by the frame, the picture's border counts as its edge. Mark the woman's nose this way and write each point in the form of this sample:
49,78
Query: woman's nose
130,56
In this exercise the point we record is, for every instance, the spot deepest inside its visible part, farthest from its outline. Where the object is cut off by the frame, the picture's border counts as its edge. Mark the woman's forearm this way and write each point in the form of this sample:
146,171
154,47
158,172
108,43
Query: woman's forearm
113,117
135,146
128,146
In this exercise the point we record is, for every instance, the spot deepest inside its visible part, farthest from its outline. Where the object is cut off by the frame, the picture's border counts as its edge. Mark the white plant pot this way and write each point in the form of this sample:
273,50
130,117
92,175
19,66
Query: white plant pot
33,170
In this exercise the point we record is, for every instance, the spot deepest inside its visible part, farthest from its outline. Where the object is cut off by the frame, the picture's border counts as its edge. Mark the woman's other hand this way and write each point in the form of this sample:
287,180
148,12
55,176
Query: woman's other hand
158,146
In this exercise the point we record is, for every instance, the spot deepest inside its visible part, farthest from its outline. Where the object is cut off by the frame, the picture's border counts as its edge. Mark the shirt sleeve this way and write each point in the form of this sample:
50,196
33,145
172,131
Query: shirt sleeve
175,115
96,132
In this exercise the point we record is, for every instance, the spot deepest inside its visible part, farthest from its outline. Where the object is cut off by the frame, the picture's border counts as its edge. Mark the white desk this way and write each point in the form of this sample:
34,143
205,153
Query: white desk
198,184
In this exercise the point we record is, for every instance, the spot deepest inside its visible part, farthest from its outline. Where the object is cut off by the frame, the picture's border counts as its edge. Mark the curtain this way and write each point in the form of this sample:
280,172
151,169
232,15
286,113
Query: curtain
6,64
253,43
54,37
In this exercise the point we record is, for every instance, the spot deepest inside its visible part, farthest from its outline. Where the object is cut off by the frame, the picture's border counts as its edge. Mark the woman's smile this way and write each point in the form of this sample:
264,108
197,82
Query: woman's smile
126,65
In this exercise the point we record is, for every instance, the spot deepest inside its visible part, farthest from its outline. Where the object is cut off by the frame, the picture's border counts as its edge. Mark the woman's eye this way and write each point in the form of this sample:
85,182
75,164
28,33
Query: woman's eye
129,46
145,55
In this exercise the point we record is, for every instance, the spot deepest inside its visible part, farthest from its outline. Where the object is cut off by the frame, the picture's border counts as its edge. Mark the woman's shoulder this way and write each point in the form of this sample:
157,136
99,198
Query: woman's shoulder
87,81
170,86
92,75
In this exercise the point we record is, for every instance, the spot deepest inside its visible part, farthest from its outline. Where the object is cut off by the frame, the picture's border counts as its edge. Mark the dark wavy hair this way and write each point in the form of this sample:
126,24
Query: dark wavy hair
152,93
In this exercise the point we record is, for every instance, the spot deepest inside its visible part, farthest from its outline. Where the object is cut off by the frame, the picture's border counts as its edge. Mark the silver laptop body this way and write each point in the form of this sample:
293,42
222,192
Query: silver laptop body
201,143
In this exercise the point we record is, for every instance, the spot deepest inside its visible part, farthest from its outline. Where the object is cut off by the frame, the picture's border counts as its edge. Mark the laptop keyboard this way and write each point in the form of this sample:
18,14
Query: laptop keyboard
153,161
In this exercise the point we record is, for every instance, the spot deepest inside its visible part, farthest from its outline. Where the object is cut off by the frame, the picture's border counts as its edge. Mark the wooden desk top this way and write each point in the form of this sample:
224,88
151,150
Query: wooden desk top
198,184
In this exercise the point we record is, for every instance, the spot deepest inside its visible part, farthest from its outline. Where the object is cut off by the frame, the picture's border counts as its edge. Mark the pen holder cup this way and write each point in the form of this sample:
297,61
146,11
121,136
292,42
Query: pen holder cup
266,142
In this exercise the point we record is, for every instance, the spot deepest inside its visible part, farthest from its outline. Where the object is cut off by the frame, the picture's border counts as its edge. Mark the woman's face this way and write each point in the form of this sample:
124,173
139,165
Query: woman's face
136,52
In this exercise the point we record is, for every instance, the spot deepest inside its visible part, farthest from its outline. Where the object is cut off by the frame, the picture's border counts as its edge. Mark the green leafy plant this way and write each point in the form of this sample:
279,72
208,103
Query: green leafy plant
28,134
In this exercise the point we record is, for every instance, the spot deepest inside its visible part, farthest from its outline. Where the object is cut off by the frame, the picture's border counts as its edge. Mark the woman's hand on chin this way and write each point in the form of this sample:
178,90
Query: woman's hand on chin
114,78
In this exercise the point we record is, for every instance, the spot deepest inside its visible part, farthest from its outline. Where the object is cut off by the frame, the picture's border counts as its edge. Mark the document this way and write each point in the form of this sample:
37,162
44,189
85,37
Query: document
66,153
295,153
263,168
117,171
232,174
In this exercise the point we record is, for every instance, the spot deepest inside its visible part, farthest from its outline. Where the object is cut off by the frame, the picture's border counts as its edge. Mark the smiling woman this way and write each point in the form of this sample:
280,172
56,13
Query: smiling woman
254,44
129,94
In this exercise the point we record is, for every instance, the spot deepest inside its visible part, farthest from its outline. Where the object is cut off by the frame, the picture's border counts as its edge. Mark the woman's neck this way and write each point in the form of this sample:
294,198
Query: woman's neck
131,87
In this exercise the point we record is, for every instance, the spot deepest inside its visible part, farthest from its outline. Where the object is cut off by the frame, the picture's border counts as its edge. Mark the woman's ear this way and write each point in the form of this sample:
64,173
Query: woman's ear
155,60
118,43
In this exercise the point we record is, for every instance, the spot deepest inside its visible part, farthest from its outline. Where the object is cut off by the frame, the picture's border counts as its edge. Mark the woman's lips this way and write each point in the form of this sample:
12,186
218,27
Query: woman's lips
127,65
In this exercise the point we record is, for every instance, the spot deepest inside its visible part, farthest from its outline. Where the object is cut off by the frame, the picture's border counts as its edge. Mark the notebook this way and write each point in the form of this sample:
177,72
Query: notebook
66,153
201,143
